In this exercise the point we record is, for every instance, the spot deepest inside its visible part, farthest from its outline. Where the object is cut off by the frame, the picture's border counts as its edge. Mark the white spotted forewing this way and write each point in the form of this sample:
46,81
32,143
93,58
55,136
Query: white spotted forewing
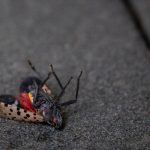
15,113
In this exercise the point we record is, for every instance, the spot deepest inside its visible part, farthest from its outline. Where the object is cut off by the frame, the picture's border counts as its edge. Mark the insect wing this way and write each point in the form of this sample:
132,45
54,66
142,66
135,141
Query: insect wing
15,113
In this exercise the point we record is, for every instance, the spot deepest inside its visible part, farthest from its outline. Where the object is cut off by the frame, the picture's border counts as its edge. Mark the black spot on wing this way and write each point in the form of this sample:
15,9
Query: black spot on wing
18,113
6,105
27,115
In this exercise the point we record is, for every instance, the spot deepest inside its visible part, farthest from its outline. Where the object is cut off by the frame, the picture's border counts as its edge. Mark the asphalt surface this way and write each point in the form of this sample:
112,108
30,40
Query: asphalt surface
96,36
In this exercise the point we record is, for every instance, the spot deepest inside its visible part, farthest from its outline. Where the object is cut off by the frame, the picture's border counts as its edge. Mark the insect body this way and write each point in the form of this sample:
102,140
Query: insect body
36,101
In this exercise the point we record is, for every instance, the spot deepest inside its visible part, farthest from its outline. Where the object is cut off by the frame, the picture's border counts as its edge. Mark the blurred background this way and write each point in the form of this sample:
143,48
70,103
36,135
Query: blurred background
109,41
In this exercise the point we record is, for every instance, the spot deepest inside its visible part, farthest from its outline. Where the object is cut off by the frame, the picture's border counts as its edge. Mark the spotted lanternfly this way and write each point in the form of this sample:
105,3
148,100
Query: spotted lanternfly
36,103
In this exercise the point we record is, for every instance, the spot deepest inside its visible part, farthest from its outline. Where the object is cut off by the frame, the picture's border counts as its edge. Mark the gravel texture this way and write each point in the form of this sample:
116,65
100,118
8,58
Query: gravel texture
97,36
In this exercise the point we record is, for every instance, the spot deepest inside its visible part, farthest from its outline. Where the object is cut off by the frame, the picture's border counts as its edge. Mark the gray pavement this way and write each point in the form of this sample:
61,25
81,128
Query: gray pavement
97,36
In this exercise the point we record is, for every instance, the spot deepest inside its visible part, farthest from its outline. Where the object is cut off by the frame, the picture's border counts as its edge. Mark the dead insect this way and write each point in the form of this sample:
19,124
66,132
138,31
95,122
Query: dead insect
36,102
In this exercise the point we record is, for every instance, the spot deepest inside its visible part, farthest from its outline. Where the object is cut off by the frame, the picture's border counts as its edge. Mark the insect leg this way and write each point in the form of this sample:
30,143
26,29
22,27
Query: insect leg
63,90
46,79
56,77
78,85
33,68
77,91
38,73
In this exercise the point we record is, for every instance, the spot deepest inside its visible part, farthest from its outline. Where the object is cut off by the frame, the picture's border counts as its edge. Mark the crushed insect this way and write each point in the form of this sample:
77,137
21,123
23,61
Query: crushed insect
36,102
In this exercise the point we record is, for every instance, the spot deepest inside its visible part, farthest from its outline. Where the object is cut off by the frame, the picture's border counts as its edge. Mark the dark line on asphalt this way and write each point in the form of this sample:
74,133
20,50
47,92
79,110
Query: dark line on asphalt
137,22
